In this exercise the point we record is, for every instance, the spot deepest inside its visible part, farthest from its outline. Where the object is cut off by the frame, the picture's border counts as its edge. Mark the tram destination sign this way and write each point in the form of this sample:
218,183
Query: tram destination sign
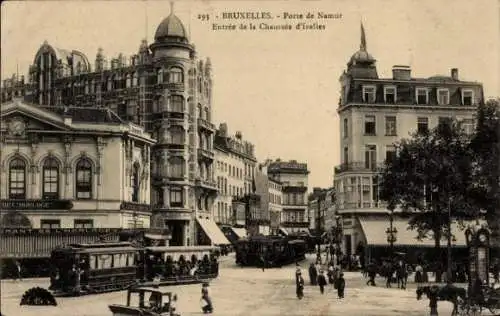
35,204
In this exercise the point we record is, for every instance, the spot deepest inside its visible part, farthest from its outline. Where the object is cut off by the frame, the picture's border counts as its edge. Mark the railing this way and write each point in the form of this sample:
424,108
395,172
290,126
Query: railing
205,153
206,124
359,166
206,183
35,204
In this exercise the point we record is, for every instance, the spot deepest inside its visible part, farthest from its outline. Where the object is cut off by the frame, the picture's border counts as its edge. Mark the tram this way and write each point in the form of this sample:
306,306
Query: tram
274,250
79,269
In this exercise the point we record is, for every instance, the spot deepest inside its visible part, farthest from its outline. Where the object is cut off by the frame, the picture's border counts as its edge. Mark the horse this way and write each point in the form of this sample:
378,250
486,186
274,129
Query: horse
449,293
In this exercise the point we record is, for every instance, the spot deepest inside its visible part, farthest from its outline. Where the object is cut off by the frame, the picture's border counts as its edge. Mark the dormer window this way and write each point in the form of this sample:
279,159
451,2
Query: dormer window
467,97
422,96
443,96
390,94
369,94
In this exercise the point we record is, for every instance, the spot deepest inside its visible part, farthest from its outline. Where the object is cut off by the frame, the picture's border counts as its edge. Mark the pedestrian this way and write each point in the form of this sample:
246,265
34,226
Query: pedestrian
300,286
207,306
340,285
372,273
322,281
18,270
313,275
330,274
263,261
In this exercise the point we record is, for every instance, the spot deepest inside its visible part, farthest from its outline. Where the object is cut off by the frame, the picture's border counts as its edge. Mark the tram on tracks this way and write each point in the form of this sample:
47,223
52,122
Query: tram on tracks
79,269
275,251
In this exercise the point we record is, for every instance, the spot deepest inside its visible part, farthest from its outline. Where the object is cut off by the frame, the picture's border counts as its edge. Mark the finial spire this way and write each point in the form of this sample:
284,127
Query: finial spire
171,7
362,46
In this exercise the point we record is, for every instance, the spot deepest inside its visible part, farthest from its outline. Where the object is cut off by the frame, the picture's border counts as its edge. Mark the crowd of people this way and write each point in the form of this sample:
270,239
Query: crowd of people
170,268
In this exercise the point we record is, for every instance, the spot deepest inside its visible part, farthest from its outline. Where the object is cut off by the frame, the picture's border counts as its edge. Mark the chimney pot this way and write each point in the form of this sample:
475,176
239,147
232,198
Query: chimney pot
454,74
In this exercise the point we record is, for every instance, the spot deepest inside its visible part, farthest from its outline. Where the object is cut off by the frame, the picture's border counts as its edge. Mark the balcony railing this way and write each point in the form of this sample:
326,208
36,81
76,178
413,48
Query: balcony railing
206,125
204,153
208,184
359,166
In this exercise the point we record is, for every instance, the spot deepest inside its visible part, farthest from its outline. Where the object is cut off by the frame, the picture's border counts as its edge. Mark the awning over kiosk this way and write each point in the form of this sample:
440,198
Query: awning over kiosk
283,231
213,231
374,230
240,232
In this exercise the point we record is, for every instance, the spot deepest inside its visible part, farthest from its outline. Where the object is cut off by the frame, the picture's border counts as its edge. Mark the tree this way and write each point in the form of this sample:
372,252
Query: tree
430,176
485,145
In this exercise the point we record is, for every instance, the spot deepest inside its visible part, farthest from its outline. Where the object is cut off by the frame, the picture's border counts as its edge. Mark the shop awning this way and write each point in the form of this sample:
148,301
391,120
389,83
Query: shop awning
213,231
240,232
374,231
284,231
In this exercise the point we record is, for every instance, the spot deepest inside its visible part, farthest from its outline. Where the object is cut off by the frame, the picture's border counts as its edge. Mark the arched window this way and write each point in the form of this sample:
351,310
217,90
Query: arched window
160,76
86,87
134,79
50,179
17,179
176,165
177,135
176,103
135,182
127,81
83,179
175,75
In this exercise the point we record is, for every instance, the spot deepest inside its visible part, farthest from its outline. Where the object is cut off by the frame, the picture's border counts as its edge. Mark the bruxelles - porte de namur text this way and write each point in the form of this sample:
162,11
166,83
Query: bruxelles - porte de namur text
283,15
271,27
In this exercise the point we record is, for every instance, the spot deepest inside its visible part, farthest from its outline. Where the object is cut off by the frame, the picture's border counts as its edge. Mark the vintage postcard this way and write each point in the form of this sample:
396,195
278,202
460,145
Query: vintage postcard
246,157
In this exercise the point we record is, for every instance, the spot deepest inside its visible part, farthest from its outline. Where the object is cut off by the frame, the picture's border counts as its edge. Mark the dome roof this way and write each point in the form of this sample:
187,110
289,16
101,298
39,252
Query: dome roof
362,56
171,26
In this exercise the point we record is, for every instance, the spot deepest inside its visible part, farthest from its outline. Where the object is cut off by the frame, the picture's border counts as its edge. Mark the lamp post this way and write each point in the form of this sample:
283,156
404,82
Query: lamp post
448,253
338,233
391,233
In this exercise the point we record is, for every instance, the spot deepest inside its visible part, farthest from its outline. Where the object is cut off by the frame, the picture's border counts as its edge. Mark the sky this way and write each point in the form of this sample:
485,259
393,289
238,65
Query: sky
280,88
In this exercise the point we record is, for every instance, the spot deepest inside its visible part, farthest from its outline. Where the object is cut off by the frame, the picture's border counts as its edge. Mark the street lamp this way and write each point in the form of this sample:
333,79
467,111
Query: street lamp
391,233
338,233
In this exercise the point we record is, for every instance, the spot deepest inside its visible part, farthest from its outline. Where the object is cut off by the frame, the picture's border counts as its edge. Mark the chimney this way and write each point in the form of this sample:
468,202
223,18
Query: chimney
400,72
454,74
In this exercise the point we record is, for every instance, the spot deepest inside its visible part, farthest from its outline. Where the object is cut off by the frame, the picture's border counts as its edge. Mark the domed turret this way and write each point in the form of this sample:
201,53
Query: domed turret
362,55
171,27
362,64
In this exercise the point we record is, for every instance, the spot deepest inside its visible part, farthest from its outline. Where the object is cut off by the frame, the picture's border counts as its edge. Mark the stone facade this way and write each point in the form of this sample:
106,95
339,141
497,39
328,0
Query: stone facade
85,168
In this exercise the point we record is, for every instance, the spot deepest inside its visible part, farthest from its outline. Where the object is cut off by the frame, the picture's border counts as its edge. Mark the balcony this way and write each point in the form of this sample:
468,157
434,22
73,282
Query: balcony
206,125
205,154
358,166
206,184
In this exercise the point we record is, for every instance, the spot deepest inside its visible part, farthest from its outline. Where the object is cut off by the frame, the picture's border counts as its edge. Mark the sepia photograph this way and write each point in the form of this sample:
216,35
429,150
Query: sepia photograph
250,157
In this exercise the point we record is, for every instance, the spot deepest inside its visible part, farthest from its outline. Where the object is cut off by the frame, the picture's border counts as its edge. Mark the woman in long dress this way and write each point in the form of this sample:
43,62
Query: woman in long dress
207,306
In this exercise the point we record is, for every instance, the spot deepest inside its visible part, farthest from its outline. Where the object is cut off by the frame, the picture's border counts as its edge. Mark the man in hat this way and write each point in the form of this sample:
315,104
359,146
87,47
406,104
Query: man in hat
340,285
322,281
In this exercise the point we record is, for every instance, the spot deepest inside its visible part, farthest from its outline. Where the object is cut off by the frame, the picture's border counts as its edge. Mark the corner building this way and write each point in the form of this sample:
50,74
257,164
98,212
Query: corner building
374,113
166,89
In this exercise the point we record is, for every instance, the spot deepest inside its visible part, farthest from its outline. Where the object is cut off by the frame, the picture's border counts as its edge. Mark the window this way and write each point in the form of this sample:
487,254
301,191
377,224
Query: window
390,95
422,125
370,127
200,112
443,96
50,223
443,120
159,78
176,199
176,103
369,94
370,157
17,179
207,114
346,155
176,167
390,153
467,97
422,96
134,79
135,182
177,135
84,223
390,126
175,75
376,189
83,179
50,174
127,81
346,128
467,126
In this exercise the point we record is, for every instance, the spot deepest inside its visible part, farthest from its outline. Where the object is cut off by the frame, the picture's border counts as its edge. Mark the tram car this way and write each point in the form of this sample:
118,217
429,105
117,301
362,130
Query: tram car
79,269
276,251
